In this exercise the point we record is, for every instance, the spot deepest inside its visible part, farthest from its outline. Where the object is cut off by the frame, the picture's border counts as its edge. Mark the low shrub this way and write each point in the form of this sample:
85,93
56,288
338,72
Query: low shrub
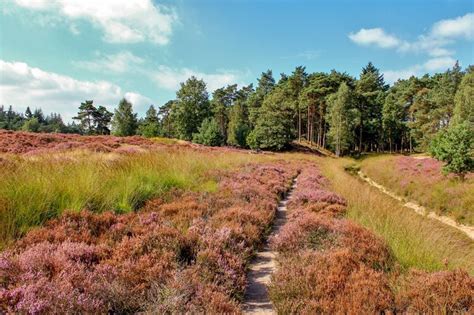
186,252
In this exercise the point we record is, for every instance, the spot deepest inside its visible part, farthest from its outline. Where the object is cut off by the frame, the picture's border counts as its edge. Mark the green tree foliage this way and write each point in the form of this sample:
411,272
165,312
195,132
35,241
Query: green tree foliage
150,126
370,89
85,116
102,118
222,101
124,122
31,125
340,118
28,113
167,120
191,107
92,120
209,133
464,100
405,117
394,117
265,85
443,92
455,146
274,127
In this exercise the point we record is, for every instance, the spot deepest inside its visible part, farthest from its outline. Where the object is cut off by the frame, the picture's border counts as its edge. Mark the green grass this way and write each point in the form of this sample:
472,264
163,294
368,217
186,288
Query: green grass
42,187
414,240
444,195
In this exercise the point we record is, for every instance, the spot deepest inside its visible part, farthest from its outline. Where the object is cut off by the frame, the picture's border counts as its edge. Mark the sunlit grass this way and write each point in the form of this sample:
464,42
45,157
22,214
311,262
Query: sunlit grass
415,241
35,189
443,194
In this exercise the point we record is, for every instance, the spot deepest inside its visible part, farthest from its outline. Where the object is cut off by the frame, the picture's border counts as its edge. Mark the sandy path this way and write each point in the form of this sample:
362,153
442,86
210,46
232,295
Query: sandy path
256,300
468,230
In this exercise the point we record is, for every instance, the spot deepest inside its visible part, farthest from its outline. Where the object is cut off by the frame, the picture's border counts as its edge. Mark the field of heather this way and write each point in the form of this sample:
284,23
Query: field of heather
420,178
129,225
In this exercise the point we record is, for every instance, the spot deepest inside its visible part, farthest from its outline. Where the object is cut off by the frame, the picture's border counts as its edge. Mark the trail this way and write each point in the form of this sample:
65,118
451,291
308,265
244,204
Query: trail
256,299
468,230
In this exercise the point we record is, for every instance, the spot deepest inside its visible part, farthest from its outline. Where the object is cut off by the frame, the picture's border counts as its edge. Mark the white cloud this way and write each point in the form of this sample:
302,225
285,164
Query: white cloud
170,78
462,26
22,85
374,36
119,63
433,64
392,76
439,64
433,43
140,102
122,21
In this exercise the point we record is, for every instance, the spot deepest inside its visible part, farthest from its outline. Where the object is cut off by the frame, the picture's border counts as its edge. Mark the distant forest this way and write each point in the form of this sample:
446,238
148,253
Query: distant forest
331,110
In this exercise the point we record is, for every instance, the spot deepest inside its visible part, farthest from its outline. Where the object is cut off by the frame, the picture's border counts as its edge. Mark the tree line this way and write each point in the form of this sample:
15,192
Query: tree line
331,110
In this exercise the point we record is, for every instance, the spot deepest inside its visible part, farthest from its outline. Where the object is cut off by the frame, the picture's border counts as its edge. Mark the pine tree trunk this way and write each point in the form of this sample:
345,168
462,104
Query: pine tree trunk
299,124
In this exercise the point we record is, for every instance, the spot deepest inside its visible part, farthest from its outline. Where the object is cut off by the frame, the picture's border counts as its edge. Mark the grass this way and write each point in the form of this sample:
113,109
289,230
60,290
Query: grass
415,241
37,188
421,180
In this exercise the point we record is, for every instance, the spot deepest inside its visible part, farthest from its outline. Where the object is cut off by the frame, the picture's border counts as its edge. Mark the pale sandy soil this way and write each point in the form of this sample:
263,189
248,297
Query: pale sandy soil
468,230
256,300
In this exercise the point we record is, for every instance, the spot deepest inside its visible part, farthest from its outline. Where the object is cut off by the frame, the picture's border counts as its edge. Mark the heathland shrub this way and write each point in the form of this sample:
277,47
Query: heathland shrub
331,265
177,255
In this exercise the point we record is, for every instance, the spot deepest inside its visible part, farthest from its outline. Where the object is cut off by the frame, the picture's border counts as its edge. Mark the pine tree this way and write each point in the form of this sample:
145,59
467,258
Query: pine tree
85,116
266,84
222,101
28,113
191,107
124,122
274,128
370,96
209,133
464,100
102,118
340,118
167,120
455,146
150,127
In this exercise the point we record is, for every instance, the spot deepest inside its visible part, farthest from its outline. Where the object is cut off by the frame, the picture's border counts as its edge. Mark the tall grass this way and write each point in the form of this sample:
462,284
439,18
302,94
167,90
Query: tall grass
422,181
415,241
35,189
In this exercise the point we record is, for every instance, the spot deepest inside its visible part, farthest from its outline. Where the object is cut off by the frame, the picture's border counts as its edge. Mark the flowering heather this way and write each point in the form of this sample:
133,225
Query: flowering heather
422,180
330,265
184,253
23,142
438,292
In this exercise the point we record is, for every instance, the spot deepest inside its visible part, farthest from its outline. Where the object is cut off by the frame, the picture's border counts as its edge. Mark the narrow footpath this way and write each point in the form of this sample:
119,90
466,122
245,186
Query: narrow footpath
256,299
468,230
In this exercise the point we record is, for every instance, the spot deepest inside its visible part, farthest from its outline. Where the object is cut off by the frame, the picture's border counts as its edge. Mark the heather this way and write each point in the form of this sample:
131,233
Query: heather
38,186
329,264
185,253
415,241
421,179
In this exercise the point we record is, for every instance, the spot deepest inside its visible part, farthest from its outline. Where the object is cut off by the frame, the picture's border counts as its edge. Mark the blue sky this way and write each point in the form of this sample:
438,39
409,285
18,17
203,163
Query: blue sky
56,53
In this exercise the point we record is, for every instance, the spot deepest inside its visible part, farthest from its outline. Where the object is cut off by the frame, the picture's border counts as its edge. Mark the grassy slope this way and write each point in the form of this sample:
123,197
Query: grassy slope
415,241
40,187
444,195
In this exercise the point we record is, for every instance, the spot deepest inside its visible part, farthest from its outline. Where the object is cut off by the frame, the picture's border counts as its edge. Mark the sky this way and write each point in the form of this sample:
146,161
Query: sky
54,54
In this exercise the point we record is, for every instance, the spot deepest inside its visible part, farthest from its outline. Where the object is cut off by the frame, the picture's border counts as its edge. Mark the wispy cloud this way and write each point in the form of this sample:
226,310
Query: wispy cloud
121,62
374,36
433,64
22,85
440,35
121,21
170,78
307,54
435,44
